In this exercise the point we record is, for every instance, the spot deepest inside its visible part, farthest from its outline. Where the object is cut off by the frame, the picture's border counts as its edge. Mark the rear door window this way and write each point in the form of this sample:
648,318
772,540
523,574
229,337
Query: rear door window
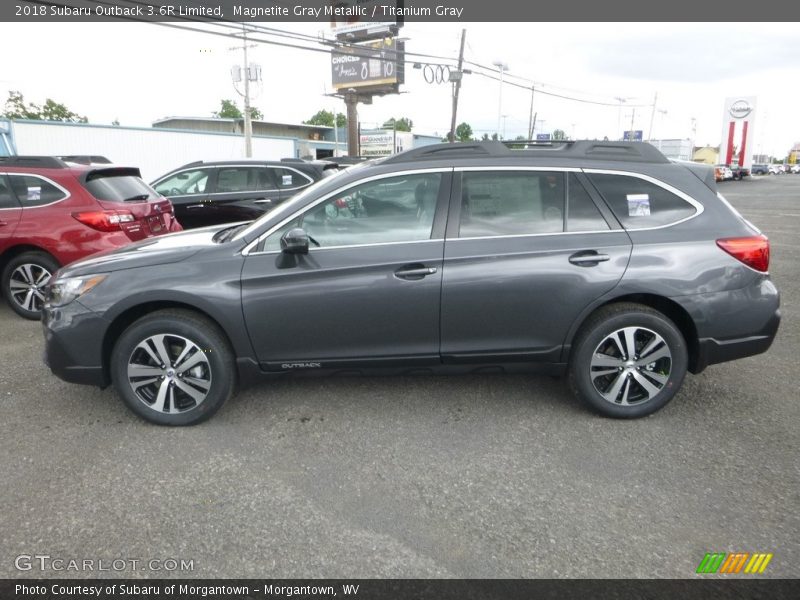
32,190
244,179
639,203
7,199
498,203
582,213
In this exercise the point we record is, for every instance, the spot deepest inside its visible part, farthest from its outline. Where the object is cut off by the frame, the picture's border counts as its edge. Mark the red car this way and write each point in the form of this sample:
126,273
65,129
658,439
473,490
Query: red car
53,212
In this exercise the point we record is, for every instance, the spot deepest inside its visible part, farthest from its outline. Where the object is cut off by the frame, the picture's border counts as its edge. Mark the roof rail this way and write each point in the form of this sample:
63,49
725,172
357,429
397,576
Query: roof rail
42,162
586,149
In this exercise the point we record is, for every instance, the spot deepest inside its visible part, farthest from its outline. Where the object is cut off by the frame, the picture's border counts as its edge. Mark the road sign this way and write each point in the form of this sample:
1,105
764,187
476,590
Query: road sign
542,137
637,136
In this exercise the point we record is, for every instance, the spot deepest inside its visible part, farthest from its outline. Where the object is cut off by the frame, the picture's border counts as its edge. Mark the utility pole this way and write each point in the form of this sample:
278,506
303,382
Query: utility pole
248,123
633,115
335,133
619,112
351,101
652,116
502,67
457,87
530,118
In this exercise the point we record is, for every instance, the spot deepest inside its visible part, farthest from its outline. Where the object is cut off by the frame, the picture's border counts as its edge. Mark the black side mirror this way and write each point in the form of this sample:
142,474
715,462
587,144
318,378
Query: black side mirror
295,241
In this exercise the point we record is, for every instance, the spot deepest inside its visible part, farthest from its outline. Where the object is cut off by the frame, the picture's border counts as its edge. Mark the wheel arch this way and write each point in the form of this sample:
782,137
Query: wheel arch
669,308
133,313
14,251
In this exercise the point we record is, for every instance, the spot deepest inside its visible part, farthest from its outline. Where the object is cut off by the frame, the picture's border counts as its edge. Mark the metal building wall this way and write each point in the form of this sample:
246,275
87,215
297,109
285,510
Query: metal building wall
154,151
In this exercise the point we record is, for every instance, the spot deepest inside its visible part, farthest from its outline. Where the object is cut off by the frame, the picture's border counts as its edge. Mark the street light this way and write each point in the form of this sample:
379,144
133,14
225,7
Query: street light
619,112
501,67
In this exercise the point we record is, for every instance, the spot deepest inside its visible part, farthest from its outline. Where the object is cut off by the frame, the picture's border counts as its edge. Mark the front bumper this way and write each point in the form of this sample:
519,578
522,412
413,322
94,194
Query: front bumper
73,348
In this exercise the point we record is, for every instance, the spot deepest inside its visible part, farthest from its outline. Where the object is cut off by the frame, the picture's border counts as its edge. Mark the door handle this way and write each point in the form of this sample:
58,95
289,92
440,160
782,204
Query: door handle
588,258
3,223
195,206
414,272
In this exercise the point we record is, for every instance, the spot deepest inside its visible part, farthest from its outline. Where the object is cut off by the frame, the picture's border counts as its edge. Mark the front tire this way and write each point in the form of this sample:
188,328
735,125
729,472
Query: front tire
628,361
23,282
173,367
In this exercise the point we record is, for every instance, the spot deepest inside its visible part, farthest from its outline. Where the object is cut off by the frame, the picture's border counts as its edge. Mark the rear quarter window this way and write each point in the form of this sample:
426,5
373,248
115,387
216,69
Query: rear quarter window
32,190
639,203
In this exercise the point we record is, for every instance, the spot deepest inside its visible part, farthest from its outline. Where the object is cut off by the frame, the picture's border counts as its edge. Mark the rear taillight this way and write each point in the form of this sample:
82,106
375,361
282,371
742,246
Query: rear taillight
752,251
104,220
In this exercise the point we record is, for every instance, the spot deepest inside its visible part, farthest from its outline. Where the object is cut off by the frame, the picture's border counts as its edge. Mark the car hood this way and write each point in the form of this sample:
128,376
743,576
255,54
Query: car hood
171,248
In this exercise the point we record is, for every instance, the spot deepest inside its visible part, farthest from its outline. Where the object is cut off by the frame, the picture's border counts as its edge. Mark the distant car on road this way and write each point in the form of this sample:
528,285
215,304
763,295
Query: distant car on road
53,212
776,170
216,192
759,169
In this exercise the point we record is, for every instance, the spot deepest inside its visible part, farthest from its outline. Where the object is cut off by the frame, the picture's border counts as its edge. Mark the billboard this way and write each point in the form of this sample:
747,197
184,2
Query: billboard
376,66
360,20
738,120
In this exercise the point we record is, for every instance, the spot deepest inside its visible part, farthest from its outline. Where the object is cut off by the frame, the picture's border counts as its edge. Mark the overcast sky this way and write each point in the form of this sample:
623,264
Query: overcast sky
137,73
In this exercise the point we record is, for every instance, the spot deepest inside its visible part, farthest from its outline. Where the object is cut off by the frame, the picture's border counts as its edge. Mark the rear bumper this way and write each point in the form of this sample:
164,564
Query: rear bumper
711,351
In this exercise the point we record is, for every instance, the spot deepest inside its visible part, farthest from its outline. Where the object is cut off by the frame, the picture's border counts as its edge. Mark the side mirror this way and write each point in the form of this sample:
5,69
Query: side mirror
295,241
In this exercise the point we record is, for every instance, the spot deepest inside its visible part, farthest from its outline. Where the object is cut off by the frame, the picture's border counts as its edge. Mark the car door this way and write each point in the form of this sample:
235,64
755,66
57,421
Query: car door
367,293
10,213
244,192
190,191
526,251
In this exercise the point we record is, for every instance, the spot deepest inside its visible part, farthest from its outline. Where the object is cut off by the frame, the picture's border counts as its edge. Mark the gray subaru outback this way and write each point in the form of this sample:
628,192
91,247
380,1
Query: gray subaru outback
599,260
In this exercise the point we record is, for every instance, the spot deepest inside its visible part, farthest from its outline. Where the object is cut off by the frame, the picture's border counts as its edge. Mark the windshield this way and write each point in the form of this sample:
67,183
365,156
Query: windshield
291,205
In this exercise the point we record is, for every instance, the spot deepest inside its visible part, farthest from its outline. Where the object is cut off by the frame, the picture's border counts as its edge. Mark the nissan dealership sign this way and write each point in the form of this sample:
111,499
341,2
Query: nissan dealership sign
738,122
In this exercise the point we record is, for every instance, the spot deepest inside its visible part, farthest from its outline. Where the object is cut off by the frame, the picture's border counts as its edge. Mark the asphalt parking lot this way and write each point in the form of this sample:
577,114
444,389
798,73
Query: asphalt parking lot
479,476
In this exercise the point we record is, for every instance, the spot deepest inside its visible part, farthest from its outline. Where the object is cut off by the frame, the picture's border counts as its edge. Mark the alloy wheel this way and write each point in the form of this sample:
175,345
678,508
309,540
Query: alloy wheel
169,373
630,366
27,286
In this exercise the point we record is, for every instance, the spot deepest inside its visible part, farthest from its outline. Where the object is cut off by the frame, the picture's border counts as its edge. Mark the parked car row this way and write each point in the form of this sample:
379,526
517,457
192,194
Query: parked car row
764,169
55,210
604,261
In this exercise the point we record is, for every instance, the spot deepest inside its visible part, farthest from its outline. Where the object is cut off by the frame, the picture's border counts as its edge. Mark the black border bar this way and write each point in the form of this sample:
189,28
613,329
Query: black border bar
460,11
400,589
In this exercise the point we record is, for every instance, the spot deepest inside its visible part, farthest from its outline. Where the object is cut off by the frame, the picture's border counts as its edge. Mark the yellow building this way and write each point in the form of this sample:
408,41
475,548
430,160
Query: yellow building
708,155
794,154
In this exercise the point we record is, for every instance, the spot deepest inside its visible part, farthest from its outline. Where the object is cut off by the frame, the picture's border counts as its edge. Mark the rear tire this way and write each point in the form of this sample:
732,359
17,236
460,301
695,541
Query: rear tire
628,361
173,367
23,281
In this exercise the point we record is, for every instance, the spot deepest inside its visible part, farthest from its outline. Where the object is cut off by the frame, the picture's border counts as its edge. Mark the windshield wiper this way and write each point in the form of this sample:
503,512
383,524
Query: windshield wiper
137,197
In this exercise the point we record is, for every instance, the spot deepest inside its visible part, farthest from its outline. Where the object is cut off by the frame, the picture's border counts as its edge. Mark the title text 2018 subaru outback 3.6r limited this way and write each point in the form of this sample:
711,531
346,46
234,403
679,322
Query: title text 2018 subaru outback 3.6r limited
603,260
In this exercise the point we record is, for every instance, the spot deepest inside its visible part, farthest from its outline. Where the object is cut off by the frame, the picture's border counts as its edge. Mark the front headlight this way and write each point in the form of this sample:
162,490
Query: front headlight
64,291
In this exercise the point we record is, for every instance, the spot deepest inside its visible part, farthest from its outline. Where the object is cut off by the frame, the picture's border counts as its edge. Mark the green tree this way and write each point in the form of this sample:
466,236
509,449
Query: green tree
229,110
401,124
16,108
324,118
464,132
558,135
